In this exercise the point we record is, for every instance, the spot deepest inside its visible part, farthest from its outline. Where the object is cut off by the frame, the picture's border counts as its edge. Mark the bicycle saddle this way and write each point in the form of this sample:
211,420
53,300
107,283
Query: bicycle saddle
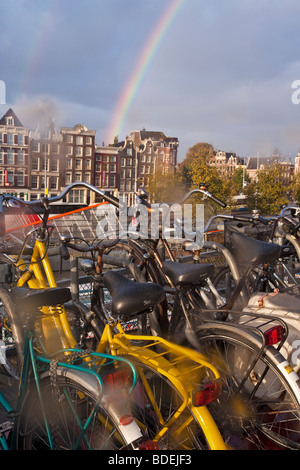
248,250
29,299
183,274
129,297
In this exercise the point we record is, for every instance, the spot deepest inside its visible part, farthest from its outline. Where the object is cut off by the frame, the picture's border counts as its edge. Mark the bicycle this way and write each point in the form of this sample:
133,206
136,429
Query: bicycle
253,371
169,410
65,402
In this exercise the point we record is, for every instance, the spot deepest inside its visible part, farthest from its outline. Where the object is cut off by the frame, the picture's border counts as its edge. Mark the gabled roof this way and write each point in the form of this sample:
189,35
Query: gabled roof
11,113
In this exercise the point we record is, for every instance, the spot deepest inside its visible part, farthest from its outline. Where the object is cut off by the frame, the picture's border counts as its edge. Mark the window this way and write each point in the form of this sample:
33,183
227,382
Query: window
105,180
1,156
55,148
68,163
97,180
1,138
79,140
20,139
10,157
68,178
129,151
69,150
21,157
129,161
78,177
87,177
10,139
20,178
123,162
35,164
46,149
10,177
1,178
45,164
88,151
76,196
35,146
69,139
78,164
112,168
54,165
53,182
97,167
112,180
87,164
88,140
10,121
79,151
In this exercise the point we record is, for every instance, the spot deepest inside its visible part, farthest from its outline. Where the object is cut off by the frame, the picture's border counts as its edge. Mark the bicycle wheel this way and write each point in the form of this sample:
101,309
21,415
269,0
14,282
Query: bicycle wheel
154,403
260,404
225,284
10,336
146,271
77,418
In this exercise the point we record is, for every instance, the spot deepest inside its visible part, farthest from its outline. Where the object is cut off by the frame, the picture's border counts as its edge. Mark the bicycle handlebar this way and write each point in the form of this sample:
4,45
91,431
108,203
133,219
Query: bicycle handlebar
238,218
203,189
14,202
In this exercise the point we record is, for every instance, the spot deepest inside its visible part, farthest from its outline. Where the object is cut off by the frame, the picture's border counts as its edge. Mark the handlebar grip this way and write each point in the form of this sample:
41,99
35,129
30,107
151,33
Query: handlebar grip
218,201
263,220
64,251
112,200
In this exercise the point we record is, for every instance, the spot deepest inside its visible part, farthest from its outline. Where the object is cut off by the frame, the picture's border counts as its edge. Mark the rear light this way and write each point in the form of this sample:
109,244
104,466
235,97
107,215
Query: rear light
118,379
208,393
148,445
274,335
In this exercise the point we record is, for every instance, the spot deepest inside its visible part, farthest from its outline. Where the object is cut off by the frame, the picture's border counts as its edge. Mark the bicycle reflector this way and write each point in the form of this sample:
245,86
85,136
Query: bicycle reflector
274,335
208,393
148,445
118,379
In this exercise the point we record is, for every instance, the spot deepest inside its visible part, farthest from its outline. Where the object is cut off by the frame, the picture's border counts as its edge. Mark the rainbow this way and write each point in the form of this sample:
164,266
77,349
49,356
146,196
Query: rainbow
130,89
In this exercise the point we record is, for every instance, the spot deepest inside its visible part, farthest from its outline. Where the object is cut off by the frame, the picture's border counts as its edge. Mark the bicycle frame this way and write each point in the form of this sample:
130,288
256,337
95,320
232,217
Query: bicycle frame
122,343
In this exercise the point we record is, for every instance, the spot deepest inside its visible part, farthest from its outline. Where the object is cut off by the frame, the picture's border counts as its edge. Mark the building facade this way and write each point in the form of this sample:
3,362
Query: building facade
39,162
142,154
14,156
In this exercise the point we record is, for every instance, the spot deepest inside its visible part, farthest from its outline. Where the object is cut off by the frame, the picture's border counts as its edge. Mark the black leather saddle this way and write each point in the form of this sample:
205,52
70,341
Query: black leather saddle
129,297
187,274
250,251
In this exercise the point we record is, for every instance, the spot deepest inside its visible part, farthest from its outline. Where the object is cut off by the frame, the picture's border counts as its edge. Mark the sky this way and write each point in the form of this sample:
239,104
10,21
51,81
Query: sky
211,71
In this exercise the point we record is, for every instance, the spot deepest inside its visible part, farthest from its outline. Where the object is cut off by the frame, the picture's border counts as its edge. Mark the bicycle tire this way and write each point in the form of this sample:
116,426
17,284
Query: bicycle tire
11,336
67,408
269,416
193,432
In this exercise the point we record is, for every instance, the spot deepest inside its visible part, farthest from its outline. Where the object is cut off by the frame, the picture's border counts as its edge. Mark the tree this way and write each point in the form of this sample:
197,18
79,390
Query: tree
269,192
164,188
200,151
